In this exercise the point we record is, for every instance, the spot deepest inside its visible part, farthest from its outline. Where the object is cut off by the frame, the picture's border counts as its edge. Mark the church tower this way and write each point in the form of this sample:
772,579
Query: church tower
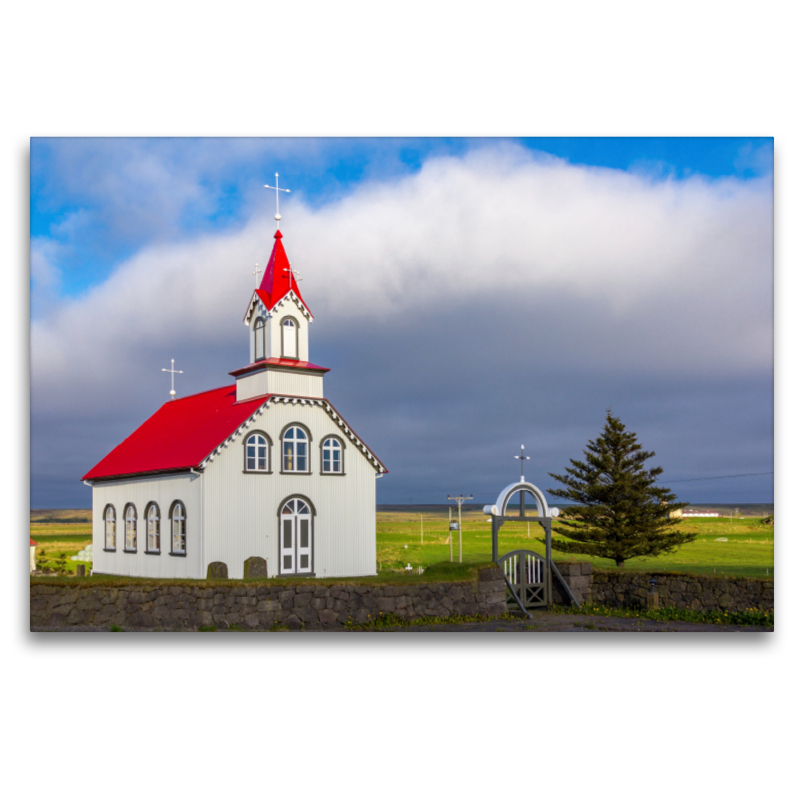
278,322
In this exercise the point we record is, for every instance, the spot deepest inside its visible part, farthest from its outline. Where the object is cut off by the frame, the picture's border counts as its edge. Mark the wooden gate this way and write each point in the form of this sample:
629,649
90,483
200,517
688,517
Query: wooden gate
527,578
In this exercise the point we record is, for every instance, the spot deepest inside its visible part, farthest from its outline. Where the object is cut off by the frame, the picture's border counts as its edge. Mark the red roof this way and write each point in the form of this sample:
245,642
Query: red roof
278,279
179,435
33,544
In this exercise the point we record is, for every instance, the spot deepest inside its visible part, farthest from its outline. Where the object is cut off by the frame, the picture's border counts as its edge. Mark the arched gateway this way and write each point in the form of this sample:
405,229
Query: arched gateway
528,579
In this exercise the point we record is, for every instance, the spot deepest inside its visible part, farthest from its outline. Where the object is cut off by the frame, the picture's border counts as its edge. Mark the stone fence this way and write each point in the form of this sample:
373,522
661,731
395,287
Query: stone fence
316,605
697,592
320,605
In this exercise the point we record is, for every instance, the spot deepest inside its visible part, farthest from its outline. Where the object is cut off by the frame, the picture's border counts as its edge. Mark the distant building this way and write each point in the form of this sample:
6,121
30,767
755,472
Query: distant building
691,512
33,555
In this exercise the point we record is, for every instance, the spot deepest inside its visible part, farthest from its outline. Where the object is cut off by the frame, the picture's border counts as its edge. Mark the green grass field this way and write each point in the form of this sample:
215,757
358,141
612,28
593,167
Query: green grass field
748,551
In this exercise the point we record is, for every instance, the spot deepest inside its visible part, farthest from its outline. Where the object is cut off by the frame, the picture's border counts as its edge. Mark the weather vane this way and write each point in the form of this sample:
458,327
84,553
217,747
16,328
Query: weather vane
277,200
522,459
172,377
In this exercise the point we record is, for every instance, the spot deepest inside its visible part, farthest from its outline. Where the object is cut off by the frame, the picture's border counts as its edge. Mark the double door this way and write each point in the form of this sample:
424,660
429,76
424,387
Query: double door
296,538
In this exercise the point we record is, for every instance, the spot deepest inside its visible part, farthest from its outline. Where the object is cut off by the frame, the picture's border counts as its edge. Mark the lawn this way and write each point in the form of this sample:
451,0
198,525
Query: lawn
748,551
59,537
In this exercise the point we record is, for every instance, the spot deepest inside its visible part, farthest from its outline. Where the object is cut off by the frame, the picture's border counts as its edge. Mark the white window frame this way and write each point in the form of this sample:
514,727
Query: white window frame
256,458
153,529
259,337
331,447
130,528
291,323
177,516
110,527
291,443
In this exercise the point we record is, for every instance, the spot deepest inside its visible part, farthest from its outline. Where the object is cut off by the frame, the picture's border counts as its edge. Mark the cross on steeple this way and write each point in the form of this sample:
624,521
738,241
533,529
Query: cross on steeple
256,272
172,377
292,274
277,199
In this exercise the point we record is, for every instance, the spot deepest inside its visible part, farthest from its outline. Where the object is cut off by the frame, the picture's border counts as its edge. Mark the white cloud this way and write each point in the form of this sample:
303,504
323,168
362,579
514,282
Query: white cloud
677,273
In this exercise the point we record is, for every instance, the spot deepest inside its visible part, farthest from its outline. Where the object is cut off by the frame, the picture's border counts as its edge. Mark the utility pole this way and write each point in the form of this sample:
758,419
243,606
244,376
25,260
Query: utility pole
421,531
460,498
449,530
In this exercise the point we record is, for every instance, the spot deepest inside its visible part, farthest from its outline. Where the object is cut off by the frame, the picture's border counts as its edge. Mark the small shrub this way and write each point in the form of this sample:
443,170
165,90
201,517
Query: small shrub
207,628
115,628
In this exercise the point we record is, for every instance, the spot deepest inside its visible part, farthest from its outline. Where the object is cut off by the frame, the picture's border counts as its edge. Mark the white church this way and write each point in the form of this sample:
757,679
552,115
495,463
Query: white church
266,467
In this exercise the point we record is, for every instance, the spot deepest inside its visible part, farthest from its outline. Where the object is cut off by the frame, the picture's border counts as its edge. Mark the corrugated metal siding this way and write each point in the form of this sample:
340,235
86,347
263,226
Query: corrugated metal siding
141,491
278,382
242,508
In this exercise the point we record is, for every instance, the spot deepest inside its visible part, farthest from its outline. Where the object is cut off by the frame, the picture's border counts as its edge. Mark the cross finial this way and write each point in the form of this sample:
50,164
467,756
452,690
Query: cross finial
277,199
172,378
522,459
292,274
256,272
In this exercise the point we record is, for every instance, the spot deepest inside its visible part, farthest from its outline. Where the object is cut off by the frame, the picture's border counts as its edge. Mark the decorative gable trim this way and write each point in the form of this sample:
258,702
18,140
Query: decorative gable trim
301,306
242,429
347,431
257,304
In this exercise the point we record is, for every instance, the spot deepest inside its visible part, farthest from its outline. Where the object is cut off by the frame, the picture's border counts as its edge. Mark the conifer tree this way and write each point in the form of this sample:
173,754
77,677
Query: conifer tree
621,513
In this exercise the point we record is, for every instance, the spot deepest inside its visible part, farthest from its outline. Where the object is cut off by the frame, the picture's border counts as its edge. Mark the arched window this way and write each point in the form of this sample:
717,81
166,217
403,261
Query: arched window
256,453
289,337
153,522
332,455
295,450
130,528
178,520
110,517
260,348
296,537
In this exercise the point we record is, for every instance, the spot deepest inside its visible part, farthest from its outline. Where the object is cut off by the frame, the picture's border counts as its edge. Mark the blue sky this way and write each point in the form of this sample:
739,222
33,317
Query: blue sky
621,266
90,223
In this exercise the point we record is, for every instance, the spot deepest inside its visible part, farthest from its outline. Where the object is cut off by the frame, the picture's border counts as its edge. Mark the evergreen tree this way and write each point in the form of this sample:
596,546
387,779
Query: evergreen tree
620,512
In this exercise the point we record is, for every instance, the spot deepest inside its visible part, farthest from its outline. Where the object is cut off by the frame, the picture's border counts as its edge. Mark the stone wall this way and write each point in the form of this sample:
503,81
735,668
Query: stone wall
258,606
697,592
578,574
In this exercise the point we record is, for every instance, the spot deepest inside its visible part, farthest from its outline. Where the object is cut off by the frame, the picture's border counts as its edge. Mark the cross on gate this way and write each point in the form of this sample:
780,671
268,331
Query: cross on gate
277,202
172,377
522,459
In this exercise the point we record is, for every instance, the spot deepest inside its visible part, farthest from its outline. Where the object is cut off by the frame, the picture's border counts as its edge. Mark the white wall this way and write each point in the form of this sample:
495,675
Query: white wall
276,381
242,508
141,491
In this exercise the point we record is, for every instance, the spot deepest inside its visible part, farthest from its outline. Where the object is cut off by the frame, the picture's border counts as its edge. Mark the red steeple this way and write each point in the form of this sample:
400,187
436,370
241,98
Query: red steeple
278,278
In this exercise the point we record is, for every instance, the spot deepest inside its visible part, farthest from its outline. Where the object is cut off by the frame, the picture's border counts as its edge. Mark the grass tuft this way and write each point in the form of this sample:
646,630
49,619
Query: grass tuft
750,616
390,620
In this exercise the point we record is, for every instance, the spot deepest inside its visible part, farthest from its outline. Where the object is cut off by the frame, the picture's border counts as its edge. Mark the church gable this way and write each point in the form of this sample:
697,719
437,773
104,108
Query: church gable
259,420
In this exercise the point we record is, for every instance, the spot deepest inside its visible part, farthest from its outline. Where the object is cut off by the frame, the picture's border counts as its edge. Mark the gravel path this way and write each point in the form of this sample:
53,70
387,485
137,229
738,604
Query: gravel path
542,622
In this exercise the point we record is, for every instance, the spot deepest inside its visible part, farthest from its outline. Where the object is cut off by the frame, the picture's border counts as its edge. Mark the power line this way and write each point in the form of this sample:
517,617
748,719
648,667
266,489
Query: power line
679,480
719,477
